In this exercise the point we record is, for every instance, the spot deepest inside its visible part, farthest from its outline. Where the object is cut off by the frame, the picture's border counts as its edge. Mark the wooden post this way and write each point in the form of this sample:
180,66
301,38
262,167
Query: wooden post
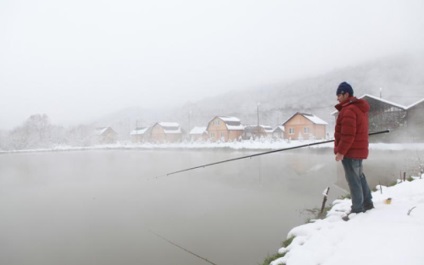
324,200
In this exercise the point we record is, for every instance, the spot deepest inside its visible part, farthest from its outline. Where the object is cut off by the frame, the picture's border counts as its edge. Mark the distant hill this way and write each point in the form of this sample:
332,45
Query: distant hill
400,78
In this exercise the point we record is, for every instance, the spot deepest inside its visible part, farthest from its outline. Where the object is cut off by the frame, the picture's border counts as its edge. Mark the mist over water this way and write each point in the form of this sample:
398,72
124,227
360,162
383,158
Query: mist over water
100,207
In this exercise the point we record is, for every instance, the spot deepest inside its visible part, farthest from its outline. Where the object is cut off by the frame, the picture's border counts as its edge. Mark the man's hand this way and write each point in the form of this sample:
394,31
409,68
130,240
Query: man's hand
339,157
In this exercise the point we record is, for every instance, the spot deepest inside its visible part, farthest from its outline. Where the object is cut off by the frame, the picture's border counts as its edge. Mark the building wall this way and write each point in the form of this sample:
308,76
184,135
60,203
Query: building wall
217,130
415,123
157,134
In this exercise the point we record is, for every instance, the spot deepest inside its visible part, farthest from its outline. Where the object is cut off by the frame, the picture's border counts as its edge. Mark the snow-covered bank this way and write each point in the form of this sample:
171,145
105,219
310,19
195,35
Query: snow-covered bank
392,233
237,145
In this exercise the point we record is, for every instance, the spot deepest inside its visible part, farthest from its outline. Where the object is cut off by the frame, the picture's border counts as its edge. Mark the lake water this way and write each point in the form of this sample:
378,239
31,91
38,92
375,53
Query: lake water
109,206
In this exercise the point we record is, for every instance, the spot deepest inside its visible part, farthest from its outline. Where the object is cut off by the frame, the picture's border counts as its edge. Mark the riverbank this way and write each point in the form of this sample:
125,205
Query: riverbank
390,234
237,145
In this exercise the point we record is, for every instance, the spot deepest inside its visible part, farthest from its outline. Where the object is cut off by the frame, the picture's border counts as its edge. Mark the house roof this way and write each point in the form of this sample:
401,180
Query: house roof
314,119
415,104
198,130
232,123
281,127
139,131
383,100
102,130
170,127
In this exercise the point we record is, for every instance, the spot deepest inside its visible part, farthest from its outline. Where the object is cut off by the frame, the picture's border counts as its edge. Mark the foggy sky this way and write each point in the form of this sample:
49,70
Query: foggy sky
76,60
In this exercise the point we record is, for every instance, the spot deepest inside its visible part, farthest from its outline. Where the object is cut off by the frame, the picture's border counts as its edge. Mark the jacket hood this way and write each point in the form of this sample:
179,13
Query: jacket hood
360,103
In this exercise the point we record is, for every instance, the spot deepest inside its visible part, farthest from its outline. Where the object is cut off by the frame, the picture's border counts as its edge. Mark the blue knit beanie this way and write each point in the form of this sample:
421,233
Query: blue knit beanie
344,88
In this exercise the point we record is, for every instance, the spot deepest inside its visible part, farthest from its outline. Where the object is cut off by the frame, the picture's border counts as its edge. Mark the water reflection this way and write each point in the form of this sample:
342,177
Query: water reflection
96,207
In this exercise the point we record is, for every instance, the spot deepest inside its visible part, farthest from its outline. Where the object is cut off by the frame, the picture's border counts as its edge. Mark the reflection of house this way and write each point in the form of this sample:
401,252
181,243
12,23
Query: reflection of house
163,132
256,132
225,129
198,134
139,134
304,126
106,135
278,132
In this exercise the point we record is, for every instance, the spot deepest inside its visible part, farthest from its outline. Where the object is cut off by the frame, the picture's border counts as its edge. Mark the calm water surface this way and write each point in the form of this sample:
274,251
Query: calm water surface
104,207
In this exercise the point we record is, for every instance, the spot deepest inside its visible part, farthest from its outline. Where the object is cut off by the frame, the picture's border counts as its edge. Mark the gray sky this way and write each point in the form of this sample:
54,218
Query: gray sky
76,60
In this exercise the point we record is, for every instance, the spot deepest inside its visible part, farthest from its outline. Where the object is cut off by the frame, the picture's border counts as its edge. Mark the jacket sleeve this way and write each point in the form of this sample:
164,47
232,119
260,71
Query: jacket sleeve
348,132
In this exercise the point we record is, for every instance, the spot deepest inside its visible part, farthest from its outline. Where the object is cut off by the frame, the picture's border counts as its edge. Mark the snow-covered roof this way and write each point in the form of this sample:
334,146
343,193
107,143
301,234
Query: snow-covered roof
100,131
139,131
235,127
232,123
229,119
198,130
383,100
314,119
414,104
169,124
281,127
170,127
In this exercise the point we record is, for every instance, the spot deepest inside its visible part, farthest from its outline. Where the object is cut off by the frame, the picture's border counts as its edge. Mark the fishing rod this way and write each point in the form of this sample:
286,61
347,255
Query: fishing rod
183,248
263,153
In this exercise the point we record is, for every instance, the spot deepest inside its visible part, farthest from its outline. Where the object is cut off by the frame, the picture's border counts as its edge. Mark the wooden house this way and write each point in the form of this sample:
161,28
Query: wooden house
165,132
304,126
139,134
105,135
223,128
198,134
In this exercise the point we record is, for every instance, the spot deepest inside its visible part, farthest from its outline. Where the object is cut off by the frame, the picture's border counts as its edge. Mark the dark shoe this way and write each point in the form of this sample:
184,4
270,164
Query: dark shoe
368,206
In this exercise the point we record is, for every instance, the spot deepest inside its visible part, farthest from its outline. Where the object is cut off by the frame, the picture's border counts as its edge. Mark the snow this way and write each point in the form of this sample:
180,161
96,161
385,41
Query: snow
235,127
263,144
139,131
169,124
390,234
314,119
229,119
198,130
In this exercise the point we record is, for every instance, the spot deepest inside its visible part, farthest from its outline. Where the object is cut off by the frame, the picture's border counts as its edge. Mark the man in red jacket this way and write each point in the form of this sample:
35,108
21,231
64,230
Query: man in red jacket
351,145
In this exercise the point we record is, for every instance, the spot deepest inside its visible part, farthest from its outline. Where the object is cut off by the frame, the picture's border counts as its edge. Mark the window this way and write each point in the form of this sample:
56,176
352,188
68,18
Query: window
291,130
306,130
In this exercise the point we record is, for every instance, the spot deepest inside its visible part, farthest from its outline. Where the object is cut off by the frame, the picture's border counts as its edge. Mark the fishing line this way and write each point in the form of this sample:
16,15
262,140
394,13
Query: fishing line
181,247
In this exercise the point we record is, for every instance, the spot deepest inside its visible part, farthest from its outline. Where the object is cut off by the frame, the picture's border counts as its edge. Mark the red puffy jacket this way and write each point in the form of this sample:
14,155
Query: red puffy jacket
351,132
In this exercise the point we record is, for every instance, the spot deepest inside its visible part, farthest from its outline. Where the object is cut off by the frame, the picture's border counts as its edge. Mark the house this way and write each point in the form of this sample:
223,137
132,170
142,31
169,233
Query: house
139,134
304,126
278,132
415,121
105,135
257,132
198,134
165,132
223,128
384,114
